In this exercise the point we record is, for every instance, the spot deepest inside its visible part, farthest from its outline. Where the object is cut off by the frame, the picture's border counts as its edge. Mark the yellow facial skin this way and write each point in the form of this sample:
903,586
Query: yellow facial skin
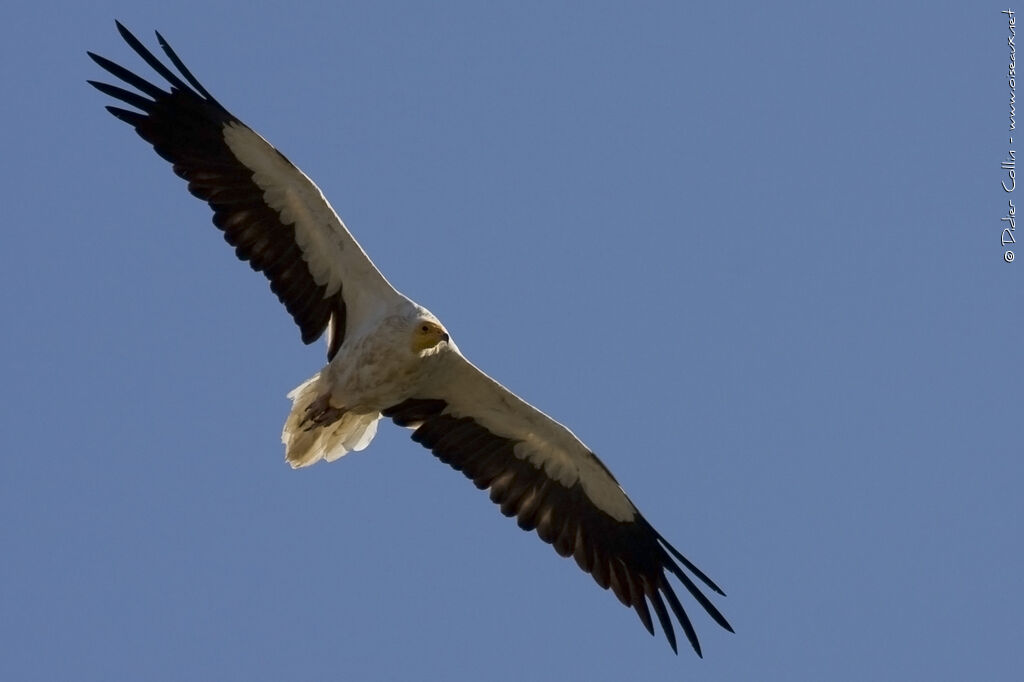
427,335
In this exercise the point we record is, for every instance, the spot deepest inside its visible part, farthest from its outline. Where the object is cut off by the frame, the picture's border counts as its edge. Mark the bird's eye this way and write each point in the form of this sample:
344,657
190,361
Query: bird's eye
424,329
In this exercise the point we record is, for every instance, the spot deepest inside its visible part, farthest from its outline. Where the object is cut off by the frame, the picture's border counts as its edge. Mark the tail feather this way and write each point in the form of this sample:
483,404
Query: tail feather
304,445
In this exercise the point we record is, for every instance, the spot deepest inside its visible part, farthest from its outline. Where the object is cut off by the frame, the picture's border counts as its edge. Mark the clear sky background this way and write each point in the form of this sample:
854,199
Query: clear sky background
749,253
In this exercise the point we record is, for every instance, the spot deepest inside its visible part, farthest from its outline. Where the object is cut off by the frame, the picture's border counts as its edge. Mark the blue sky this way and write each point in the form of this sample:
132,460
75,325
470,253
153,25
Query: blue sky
749,253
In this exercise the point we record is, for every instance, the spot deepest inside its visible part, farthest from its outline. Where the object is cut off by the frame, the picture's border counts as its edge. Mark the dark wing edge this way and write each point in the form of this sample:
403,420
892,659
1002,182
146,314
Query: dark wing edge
631,558
185,126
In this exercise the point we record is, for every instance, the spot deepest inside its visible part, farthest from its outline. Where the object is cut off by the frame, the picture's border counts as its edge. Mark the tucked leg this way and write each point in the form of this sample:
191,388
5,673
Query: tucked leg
321,413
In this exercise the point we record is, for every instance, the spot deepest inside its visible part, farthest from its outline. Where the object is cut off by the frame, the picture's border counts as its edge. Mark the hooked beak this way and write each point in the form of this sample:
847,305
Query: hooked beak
445,337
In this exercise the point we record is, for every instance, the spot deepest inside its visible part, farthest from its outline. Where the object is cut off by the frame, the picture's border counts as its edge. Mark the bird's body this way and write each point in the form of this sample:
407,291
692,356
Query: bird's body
381,367
388,357
378,366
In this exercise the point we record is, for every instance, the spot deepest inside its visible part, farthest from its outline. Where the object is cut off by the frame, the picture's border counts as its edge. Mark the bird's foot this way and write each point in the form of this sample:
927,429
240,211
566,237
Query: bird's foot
321,413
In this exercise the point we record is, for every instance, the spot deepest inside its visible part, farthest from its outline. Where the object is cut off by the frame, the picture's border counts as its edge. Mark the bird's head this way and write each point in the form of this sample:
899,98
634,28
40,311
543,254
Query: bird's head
427,333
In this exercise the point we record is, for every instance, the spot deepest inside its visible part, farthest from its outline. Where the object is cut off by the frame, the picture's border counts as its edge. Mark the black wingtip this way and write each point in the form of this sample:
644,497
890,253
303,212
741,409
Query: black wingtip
680,613
654,597
125,33
696,649
132,118
644,613
180,66
689,564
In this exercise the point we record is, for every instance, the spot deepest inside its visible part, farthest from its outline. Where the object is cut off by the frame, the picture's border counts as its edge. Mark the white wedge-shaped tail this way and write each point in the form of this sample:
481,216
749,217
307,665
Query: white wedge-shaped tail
307,442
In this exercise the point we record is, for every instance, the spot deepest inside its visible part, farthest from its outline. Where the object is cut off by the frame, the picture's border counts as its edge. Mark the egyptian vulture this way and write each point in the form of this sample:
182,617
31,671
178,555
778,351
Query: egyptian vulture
390,357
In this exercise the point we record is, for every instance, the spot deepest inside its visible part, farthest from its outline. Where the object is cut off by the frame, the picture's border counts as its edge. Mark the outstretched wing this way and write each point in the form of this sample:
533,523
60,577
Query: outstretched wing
539,472
273,215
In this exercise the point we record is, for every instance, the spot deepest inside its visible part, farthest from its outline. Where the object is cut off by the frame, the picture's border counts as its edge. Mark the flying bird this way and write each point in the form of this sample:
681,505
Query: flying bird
389,357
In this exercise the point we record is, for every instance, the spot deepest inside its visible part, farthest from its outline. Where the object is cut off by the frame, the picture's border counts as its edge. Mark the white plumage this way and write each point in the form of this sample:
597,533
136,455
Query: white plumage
352,433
